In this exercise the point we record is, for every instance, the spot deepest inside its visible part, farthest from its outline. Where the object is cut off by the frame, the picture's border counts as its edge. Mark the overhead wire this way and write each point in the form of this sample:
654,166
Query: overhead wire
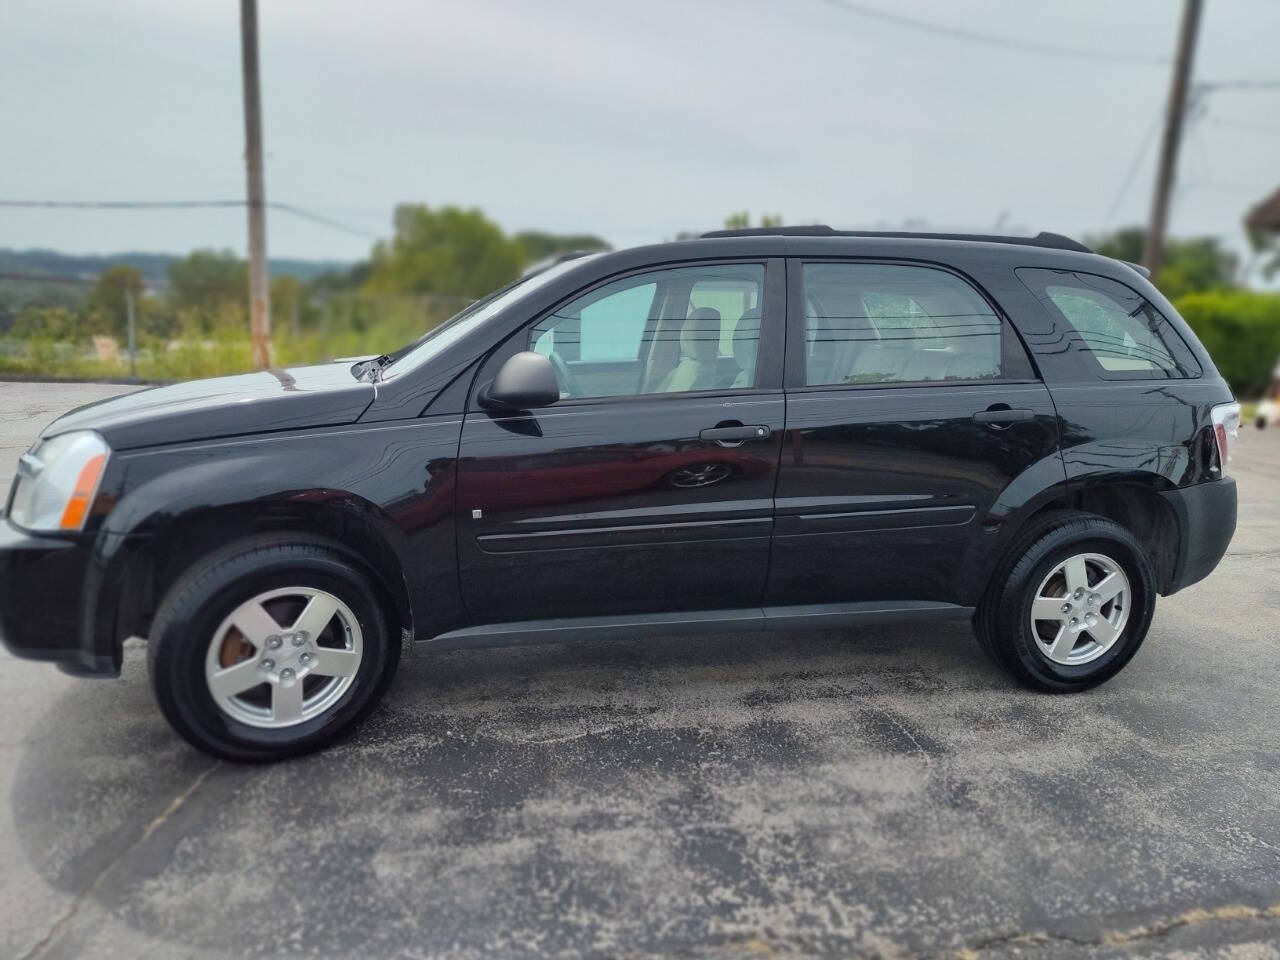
1008,43
288,208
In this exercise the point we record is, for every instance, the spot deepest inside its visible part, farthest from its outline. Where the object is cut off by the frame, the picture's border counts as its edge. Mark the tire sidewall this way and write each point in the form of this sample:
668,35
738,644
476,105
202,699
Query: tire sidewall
1015,613
178,670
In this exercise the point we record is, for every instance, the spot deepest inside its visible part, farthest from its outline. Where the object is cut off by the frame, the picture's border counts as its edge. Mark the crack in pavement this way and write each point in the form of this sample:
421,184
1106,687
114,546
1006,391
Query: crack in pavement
1238,833
1120,938
69,914
1252,555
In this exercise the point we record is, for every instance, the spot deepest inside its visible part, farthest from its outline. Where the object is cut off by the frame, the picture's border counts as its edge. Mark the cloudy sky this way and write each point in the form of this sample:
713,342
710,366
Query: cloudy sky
632,120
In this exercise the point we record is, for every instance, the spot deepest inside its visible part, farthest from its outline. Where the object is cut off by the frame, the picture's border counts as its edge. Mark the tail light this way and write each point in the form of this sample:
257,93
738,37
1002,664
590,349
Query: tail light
1226,431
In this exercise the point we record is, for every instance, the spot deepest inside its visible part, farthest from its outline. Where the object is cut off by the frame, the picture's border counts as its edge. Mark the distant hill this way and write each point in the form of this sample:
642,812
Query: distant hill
153,266
47,278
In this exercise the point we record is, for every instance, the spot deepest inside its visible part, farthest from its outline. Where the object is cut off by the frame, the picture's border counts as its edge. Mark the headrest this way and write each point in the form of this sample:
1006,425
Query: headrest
700,335
746,338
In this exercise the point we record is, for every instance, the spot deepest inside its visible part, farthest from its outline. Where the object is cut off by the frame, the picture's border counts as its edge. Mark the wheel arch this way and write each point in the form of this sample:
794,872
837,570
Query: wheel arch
145,569
1133,500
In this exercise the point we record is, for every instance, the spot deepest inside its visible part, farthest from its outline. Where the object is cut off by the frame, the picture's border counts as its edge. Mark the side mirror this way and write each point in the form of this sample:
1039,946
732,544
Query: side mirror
527,380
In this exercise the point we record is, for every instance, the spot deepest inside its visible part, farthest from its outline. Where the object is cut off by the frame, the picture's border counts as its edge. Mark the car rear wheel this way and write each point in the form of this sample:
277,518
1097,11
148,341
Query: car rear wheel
267,650
1071,604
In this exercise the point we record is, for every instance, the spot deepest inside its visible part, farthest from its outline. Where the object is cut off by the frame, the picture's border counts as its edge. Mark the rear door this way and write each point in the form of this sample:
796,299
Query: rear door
911,406
649,486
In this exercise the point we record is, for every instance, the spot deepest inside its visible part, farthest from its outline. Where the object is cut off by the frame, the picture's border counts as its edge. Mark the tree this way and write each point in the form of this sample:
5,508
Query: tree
447,251
16,295
742,220
539,246
286,300
339,281
208,279
1266,246
736,221
1241,331
1262,224
1191,264
48,323
108,312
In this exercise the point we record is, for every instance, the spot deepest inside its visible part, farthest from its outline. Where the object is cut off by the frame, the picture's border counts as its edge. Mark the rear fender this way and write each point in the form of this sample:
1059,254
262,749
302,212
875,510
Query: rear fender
1041,485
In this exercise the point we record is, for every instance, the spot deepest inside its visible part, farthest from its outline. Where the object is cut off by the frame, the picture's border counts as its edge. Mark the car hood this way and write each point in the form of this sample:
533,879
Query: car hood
317,396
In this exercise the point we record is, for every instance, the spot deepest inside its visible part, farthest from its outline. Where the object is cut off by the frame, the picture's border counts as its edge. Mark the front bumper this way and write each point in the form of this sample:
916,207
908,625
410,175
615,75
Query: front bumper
43,603
1206,516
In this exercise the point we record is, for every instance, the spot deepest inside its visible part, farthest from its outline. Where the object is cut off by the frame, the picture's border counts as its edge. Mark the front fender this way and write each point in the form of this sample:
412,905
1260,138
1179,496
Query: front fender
388,485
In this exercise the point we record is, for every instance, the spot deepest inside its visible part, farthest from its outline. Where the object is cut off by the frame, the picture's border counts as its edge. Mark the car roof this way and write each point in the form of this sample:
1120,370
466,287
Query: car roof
1054,241
962,250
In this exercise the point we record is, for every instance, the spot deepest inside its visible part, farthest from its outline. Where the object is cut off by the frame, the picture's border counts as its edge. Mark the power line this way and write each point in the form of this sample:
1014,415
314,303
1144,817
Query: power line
1008,43
1241,125
122,204
1239,85
321,219
288,208
1133,170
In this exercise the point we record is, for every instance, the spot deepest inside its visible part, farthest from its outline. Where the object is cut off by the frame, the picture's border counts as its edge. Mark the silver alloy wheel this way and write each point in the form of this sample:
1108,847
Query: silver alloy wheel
1080,609
284,657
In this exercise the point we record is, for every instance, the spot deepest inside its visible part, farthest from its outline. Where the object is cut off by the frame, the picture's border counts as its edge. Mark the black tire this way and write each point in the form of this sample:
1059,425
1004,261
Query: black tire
1003,620
193,608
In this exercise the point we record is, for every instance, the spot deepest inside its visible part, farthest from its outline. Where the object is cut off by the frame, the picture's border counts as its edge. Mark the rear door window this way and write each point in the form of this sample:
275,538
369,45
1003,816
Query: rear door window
1122,333
868,323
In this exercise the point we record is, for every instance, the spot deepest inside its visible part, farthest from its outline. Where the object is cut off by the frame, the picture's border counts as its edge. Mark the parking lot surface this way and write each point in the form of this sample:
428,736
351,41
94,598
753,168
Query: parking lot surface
868,792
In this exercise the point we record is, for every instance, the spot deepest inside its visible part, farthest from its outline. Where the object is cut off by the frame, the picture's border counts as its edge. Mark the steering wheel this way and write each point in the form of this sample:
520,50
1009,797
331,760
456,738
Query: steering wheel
568,382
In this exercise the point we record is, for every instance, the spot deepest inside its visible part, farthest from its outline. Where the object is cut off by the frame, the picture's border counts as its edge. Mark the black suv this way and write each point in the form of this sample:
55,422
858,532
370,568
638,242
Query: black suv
780,429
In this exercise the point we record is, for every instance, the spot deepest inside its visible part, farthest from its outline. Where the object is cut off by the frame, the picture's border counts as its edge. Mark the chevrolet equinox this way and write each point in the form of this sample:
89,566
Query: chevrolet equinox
794,428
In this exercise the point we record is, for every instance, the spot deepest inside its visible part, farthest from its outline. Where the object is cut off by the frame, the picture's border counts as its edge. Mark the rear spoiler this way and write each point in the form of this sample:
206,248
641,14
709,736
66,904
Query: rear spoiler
1138,268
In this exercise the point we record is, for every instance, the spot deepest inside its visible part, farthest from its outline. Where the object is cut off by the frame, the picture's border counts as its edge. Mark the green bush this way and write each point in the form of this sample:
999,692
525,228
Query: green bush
1241,331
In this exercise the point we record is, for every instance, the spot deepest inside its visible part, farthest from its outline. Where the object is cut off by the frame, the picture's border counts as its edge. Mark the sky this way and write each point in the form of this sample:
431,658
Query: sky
634,121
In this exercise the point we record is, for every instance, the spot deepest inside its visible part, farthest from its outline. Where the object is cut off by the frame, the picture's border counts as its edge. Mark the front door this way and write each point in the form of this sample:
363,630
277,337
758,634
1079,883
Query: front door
649,486
911,407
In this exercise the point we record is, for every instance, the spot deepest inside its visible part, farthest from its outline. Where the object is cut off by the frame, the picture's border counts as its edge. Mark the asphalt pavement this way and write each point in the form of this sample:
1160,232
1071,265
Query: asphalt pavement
877,792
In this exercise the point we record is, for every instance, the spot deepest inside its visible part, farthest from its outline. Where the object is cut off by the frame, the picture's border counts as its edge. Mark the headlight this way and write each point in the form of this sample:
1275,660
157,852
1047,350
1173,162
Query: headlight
58,480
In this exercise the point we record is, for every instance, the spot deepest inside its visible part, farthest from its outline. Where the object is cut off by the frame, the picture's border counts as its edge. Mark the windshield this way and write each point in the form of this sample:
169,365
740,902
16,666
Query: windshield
441,337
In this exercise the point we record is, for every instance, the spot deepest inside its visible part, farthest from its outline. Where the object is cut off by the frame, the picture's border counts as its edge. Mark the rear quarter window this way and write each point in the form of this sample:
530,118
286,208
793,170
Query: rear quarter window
1120,332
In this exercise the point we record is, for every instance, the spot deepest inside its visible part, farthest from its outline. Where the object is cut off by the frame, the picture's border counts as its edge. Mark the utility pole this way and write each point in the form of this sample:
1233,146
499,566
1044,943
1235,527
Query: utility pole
1153,255
259,297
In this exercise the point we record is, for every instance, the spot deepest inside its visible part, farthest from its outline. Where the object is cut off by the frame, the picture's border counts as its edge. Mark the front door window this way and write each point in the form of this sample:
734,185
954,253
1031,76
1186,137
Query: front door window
669,331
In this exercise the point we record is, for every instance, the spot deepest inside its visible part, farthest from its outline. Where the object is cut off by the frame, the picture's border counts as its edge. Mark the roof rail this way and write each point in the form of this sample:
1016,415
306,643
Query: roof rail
813,230
1055,241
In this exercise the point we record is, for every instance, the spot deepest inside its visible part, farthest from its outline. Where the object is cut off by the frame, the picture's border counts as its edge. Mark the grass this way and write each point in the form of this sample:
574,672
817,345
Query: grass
219,345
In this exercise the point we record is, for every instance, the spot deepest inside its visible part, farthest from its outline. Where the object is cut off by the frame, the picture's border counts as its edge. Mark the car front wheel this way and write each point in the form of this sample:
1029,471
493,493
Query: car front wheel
267,650
1070,606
